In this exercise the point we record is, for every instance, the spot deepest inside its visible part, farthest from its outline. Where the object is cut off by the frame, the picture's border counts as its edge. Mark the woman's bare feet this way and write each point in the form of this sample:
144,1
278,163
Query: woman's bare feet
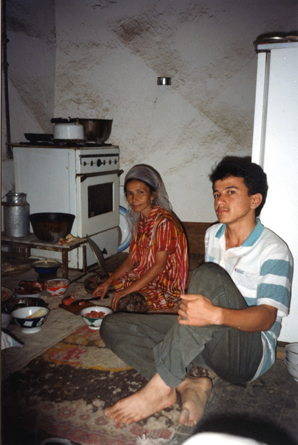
155,396
194,393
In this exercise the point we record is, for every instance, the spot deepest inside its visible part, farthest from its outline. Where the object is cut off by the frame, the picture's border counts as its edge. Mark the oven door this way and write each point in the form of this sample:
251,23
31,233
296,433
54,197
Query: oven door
98,211
98,202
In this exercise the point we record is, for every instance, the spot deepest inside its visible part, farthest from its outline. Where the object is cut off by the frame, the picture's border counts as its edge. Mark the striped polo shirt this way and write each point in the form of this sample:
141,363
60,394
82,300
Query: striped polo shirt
262,269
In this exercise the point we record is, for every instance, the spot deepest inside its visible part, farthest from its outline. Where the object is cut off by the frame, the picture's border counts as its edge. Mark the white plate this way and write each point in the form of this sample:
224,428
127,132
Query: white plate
125,234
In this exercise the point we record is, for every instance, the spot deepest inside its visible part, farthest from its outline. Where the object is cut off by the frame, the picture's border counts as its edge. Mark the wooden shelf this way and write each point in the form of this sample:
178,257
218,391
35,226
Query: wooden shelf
31,242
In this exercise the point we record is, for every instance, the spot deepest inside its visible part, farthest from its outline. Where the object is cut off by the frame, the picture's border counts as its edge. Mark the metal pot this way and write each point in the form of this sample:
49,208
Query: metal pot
97,130
68,129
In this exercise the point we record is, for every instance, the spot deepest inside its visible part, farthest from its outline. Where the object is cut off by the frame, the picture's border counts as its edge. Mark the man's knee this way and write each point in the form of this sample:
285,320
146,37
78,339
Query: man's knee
205,274
209,269
214,282
107,328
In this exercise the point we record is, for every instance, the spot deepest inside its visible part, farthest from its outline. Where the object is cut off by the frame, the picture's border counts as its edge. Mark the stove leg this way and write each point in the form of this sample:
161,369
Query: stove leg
84,259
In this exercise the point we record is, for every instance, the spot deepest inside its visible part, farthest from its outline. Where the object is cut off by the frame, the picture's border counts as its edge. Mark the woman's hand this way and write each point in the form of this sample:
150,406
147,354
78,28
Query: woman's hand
116,297
102,289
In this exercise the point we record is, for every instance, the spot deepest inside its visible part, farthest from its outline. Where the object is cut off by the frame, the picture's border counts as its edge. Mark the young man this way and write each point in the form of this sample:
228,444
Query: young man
229,321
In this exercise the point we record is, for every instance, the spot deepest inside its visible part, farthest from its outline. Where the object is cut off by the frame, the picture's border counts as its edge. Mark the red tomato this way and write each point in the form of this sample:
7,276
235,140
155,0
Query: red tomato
68,300
94,314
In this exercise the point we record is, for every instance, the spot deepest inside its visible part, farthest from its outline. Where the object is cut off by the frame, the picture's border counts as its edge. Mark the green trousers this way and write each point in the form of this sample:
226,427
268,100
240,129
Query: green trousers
157,343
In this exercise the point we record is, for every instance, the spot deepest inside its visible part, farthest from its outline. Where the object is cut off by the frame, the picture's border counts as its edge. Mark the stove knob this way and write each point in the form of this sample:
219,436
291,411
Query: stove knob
110,162
99,162
91,163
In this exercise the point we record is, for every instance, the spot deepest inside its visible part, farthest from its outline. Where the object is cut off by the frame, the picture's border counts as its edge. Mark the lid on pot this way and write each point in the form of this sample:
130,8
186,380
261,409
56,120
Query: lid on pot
60,120
98,254
46,264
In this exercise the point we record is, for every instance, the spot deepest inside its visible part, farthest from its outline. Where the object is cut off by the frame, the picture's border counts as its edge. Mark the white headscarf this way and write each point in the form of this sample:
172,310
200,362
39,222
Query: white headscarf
149,175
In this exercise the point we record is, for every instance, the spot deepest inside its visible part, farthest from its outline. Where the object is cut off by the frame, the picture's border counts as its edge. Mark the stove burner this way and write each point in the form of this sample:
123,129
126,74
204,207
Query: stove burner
65,144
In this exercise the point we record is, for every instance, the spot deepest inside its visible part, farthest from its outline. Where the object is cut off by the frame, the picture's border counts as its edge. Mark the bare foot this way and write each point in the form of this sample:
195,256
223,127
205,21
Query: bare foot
156,395
195,392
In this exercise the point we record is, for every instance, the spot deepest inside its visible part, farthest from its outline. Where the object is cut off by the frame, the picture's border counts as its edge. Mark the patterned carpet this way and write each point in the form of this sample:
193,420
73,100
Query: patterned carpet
64,391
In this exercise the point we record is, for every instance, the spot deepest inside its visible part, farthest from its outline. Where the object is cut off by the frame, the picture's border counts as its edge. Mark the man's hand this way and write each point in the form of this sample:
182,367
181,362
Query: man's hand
197,310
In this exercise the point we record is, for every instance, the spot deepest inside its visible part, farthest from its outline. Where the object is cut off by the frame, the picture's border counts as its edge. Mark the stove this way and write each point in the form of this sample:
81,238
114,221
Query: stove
73,178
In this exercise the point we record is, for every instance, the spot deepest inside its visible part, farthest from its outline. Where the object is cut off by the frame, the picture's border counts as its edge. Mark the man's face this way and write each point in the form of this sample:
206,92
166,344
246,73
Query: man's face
231,201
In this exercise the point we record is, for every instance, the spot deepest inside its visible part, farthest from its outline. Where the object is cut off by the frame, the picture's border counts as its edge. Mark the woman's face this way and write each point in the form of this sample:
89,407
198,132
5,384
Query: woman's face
140,197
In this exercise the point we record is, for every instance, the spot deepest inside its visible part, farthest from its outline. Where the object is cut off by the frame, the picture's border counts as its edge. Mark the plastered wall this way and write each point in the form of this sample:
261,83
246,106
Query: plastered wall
101,59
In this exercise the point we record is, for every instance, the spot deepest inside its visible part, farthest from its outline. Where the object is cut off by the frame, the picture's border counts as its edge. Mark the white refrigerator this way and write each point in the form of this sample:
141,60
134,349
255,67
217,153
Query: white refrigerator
275,148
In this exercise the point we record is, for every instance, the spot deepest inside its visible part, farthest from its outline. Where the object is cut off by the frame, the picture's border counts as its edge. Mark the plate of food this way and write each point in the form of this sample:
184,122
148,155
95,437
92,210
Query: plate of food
6,293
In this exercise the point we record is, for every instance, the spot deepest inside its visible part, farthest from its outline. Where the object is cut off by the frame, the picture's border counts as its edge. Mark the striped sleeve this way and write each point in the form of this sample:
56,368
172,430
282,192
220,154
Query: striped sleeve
274,286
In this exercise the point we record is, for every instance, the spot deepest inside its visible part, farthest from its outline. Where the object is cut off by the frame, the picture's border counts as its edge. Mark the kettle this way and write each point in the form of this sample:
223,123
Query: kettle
68,129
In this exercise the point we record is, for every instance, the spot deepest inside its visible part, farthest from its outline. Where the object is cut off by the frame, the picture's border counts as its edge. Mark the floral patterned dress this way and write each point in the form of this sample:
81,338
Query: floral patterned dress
162,232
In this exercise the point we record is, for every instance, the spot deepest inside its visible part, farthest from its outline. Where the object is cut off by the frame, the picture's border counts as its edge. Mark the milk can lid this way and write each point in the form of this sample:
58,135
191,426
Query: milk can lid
13,197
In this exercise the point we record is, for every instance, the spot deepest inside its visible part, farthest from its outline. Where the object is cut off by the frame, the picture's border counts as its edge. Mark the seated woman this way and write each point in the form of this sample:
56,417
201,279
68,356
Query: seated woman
154,274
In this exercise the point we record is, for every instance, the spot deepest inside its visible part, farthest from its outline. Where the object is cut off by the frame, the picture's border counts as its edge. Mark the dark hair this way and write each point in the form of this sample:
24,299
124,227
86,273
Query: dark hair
254,177
152,189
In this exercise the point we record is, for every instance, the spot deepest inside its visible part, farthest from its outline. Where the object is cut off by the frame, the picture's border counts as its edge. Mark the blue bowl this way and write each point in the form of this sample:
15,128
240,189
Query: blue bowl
30,325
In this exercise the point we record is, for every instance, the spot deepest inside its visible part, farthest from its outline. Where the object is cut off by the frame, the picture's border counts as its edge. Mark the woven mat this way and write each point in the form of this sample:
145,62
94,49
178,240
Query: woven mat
65,390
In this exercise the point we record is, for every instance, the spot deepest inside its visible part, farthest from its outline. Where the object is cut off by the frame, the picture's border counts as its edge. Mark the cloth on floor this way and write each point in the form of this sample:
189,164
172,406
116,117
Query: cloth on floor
7,341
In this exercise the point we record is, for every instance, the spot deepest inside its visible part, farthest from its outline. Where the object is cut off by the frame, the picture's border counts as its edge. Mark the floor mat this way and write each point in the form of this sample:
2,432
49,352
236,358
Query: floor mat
65,390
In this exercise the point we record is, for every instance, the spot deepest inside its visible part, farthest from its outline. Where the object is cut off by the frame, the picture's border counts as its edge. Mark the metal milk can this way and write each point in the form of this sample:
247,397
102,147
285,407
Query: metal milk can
16,215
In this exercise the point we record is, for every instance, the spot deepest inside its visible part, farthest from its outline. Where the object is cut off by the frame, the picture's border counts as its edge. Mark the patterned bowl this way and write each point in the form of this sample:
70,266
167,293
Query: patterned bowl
94,315
57,286
28,324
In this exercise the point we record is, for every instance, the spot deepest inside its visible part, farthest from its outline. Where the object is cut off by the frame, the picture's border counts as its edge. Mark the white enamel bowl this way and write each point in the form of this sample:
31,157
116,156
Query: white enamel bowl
95,322
291,359
30,325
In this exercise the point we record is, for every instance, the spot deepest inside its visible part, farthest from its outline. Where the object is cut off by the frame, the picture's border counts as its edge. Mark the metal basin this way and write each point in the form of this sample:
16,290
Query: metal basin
97,130
51,226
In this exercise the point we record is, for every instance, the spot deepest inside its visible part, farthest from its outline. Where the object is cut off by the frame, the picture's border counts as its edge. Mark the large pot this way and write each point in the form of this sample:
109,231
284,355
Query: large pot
68,129
97,130
51,226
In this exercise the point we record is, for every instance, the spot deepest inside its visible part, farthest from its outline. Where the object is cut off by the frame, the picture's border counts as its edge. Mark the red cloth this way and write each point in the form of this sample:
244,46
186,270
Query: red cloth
162,232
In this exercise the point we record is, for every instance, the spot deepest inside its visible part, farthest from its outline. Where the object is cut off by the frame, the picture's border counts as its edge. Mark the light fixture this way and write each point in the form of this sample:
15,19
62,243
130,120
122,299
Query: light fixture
164,80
